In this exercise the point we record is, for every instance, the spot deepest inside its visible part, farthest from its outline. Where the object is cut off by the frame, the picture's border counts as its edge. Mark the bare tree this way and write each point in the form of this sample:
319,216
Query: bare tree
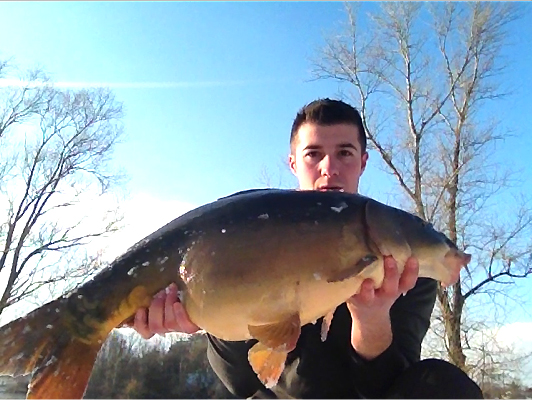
422,76
276,179
54,151
493,361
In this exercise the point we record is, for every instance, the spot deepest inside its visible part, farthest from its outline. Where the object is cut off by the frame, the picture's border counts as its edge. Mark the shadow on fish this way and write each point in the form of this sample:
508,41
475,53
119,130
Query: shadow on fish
257,264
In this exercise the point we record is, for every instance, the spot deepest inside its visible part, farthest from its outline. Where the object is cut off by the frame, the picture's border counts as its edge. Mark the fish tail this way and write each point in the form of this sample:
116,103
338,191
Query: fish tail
68,376
42,345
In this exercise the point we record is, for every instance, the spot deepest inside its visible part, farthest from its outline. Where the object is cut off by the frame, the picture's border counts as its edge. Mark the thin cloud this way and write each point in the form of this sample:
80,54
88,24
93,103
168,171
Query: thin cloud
134,85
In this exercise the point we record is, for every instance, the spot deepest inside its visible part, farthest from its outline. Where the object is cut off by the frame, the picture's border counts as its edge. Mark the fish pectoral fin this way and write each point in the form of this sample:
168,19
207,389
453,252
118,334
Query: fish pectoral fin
268,364
65,375
280,336
326,323
383,232
354,270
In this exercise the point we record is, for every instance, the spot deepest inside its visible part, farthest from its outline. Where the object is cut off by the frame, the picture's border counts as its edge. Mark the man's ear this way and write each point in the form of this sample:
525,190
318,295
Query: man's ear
364,159
292,163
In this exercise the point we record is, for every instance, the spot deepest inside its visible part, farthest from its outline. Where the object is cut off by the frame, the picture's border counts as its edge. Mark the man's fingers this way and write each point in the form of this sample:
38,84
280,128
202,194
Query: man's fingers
165,314
170,322
392,276
140,323
366,293
156,314
409,275
186,325
176,318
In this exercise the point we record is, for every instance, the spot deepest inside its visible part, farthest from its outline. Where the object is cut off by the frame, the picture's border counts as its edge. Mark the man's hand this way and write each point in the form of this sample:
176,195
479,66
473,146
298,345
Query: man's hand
165,314
371,328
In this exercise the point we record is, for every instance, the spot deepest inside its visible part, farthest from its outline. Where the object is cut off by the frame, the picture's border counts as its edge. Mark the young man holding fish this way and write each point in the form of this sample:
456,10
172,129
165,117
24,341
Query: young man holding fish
372,348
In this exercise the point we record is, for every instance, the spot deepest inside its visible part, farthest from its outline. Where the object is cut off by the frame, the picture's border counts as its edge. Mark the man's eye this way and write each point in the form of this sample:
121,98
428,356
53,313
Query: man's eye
345,153
312,154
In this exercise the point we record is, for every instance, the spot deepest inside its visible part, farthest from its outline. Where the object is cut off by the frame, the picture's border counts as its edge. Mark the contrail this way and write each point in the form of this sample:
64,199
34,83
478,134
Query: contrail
132,85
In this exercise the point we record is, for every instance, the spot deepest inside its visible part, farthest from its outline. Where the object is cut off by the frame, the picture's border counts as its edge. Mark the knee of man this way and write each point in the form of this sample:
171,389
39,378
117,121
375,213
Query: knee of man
437,379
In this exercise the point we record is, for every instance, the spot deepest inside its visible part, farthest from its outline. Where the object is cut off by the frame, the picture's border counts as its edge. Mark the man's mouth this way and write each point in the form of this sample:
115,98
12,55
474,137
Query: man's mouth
331,188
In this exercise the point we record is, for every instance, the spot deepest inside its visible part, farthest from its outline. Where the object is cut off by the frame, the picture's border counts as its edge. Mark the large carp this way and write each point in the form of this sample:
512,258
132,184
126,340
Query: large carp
257,264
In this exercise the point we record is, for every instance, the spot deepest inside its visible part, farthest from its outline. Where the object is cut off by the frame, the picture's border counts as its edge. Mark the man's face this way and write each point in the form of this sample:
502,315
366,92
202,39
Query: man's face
328,157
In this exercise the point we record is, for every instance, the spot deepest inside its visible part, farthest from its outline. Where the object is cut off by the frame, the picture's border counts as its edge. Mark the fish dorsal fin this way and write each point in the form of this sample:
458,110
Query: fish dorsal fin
354,270
280,336
268,364
326,323
246,191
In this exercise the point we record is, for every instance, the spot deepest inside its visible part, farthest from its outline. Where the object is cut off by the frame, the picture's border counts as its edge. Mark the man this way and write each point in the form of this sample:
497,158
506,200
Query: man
373,345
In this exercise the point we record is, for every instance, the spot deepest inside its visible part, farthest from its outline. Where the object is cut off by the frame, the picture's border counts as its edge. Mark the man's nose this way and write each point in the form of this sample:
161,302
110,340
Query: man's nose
329,166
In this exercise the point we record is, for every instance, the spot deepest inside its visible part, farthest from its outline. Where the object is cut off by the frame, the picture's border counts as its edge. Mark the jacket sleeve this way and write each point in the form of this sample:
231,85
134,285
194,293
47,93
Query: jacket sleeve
410,319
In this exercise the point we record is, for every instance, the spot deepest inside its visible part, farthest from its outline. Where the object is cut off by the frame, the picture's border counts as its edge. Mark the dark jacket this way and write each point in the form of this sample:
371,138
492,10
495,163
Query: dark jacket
332,369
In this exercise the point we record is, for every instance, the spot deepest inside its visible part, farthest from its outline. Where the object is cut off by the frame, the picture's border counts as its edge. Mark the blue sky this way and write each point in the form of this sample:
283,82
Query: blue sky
242,66
240,73
229,78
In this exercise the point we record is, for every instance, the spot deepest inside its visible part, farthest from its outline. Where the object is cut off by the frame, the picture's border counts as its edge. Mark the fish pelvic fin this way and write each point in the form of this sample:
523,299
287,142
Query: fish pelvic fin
275,341
281,336
326,323
40,344
268,364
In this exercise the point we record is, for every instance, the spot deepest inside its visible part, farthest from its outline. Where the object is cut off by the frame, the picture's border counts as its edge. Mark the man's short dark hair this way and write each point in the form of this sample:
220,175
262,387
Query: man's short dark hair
329,112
